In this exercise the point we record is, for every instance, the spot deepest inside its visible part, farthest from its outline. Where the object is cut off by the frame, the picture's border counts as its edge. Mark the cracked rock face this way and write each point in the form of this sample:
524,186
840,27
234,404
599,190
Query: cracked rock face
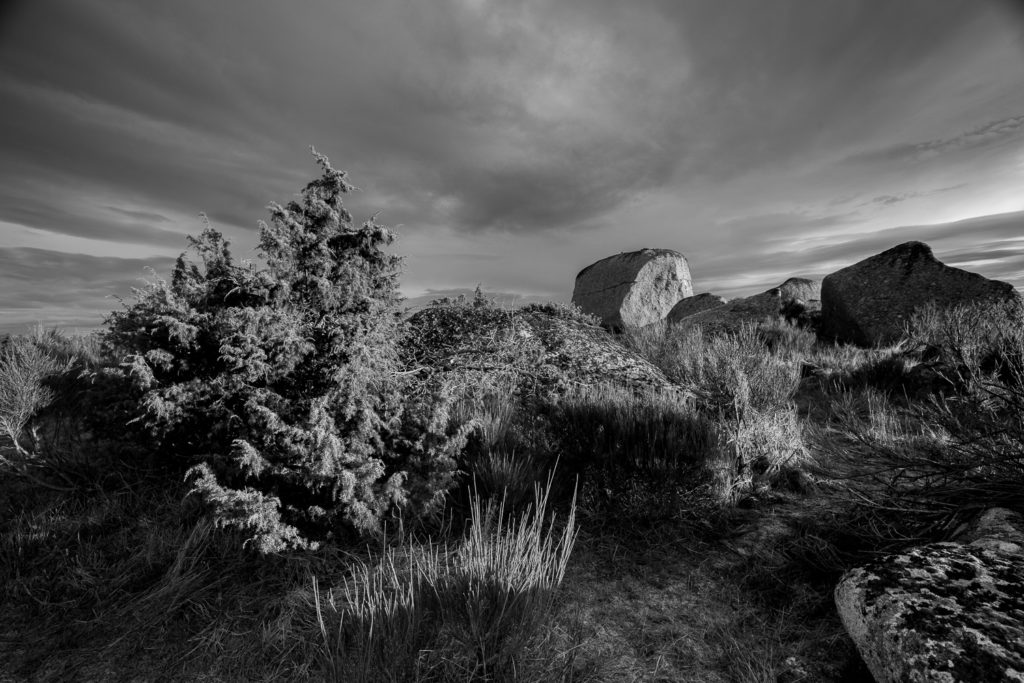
869,302
633,289
948,612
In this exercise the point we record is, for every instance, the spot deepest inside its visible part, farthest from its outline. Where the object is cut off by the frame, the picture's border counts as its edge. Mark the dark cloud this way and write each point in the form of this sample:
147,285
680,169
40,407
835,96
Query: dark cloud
527,116
542,122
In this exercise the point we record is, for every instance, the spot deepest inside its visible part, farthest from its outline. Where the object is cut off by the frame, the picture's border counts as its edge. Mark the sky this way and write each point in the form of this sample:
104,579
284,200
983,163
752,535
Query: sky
510,143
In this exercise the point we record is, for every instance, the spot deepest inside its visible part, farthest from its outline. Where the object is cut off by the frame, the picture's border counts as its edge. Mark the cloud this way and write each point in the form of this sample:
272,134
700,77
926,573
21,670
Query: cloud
59,288
991,134
991,245
890,199
999,232
545,131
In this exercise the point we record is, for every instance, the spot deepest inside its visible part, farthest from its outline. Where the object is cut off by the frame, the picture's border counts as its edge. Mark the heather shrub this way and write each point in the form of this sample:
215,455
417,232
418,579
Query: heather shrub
278,384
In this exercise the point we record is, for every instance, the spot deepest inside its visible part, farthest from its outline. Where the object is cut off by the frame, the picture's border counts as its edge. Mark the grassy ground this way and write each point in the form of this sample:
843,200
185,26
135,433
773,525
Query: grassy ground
711,557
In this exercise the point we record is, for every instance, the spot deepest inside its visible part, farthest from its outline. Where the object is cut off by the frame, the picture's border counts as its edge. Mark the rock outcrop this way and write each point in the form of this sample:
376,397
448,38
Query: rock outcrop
590,355
553,347
693,304
731,316
945,611
800,289
633,289
870,302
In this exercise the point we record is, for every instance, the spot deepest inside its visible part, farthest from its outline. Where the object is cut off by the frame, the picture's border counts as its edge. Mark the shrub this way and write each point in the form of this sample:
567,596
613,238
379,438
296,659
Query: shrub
643,455
24,369
970,344
729,372
280,386
565,311
495,363
927,467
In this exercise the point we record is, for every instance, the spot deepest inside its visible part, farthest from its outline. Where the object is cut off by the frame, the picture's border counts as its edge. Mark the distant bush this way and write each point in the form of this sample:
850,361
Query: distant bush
280,387
57,409
25,368
565,311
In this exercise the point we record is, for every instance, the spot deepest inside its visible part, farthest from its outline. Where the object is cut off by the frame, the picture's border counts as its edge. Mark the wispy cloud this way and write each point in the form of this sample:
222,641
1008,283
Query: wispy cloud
994,133
890,199
70,289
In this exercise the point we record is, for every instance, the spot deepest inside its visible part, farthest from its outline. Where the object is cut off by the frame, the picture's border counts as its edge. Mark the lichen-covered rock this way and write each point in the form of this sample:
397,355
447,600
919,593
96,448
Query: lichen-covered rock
766,306
633,289
950,612
590,355
800,289
555,349
870,302
693,304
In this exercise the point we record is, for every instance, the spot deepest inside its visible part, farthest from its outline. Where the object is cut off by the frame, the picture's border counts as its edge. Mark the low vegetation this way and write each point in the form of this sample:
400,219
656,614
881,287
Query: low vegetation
262,471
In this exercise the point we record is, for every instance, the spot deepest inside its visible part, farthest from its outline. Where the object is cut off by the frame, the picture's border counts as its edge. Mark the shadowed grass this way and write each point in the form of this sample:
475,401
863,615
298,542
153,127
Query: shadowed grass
477,612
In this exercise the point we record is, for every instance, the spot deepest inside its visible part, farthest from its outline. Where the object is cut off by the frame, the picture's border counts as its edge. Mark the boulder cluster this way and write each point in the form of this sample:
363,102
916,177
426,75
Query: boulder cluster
949,611
867,303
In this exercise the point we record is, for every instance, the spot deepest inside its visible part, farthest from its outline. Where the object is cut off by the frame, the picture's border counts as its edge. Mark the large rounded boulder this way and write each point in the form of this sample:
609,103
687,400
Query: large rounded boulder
870,302
633,289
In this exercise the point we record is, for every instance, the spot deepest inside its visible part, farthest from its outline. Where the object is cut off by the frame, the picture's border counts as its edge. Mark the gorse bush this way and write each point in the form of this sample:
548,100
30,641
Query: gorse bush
280,386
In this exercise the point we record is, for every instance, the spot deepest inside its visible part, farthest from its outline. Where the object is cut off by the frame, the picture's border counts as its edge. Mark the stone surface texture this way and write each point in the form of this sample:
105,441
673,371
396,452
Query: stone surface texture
769,305
592,356
562,351
870,302
800,289
633,289
694,304
950,612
